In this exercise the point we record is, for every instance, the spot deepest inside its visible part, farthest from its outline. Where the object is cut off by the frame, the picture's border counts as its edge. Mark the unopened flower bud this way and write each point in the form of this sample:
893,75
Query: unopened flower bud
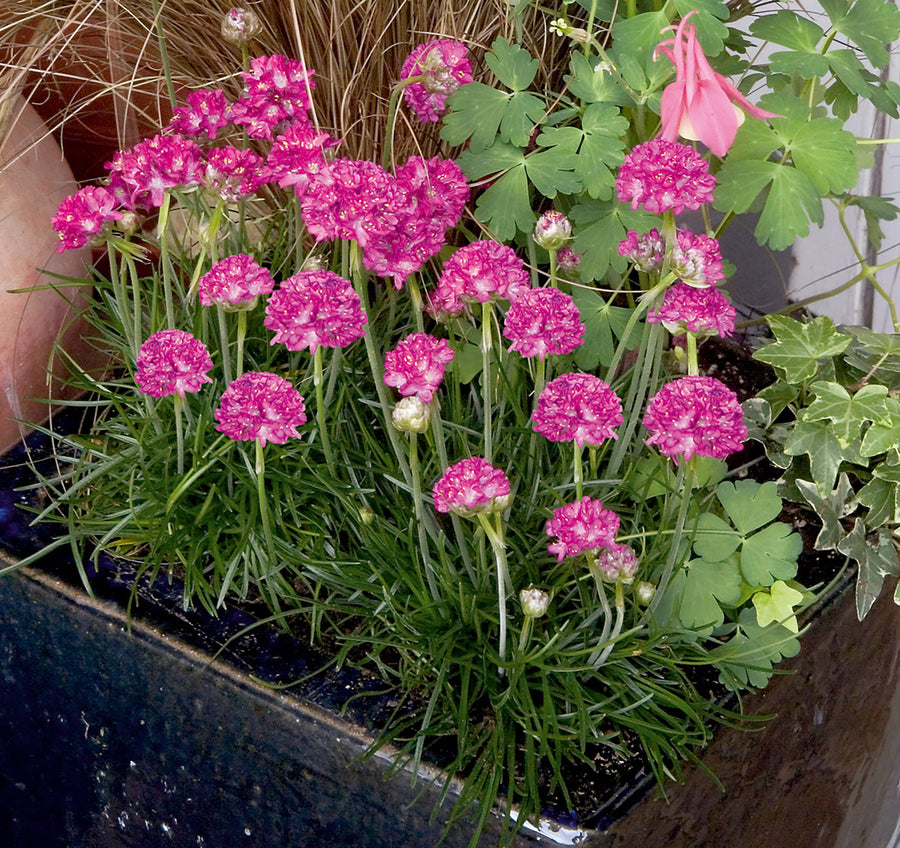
553,230
644,592
240,26
129,223
567,260
314,262
366,515
618,562
534,601
411,415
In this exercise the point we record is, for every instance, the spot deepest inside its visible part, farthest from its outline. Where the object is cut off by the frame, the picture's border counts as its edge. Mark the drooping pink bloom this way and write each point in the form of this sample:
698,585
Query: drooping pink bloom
444,66
262,406
234,173
552,230
142,175
276,93
696,258
645,250
688,309
172,362
618,562
83,216
567,260
298,155
315,308
481,271
542,322
472,486
416,366
695,415
661,175
700,105
581,526
206,113
578,408
234,282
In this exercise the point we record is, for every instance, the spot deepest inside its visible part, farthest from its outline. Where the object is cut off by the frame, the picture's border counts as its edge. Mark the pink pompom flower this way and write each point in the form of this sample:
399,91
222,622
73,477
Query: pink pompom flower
172,362
444,66
416,366
206,113
696,258
298,155
661,175
234,173
704,312
578,408
84,216
315,308
618,562
567,260
581,526
262,406
276,93
142,175
695,415
542,322
234,282
470,487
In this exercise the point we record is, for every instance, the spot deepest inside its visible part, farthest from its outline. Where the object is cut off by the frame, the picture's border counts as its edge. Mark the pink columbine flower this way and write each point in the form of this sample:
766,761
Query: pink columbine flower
234,282
552,230
445,66
581,526
298,155
276,93
315,308
172,362
481,271
83,216
661,175
472,486
619,562
542,322
262,406
206,113
685,309
578,408
695,415
416,366
701,104
234,173
142,175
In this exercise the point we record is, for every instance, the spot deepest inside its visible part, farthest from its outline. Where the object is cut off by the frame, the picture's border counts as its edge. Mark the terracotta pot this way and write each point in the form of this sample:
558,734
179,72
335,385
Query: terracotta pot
34,179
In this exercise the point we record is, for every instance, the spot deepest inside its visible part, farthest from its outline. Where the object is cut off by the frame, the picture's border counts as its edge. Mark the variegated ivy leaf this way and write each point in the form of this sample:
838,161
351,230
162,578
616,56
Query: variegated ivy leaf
846,412
884,435
825,452
876,556
831,509
799,346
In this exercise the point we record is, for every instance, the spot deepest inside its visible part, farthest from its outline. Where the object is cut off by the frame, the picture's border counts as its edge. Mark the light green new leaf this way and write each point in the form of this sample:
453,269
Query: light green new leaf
869,23
799,346
706,584
749,504
514,66
771,555
846,412
604,324
715,540
876,560
778,605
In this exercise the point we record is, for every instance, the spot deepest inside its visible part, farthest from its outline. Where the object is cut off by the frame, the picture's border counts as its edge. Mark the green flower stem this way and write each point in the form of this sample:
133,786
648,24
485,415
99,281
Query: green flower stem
165,260
498,545
320,409
391,122
224,343
487,345
554,281
577,471
135,279
611,630
261,494
207,244
415,295
430,576
179,433
163,52
540,376
684,484
241,336
693,366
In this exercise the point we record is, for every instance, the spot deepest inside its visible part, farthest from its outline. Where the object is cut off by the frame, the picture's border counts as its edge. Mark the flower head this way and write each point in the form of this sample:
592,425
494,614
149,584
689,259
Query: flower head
661,175
444,67
481,271
298,155
83,216
695,415
701,104
276,93
142,175
262,406
416,366
206,113
646,250
535,602
240,25
578,408
471,486
315,308
172,362
688,309
234,173
542,322
567,260
552,230
236,281
618,562
411,415
581,526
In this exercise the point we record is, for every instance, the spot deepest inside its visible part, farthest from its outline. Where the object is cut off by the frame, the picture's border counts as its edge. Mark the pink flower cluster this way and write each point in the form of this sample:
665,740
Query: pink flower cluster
618,562
472,486
542,322
276,93
262,406
665,175
687,309
234,174
141,176
578,408
581,526
696,258
480,271
236,281
416,366
444,66
314,308
172,362
695,415
83,216
205,113
298,155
